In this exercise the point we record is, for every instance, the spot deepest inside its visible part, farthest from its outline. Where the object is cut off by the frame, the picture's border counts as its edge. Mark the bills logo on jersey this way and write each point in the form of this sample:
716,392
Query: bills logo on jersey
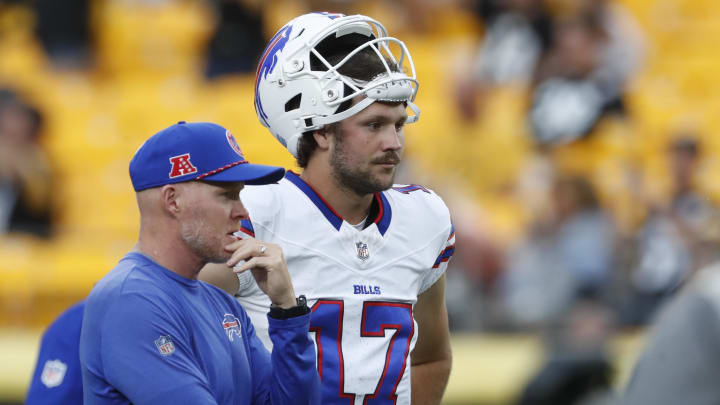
366,289
165,345
233,143
53,373
231,325
181,166
362,251
267,65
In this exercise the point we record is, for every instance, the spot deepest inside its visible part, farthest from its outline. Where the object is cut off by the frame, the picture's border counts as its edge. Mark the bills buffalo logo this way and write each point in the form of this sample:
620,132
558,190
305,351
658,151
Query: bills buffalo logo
329,15
267,65
233,143
362,251
181,166
231,325
53,373
165,345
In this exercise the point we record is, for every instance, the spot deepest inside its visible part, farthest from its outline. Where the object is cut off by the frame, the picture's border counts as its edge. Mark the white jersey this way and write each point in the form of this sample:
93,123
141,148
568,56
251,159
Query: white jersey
361,284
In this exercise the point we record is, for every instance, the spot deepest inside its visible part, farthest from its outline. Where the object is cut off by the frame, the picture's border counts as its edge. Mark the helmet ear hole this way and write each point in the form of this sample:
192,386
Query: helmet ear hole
293,103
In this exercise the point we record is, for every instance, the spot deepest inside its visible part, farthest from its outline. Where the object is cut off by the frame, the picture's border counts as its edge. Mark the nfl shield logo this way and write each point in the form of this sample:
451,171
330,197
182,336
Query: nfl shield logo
53,373
362,251
165,345
231,325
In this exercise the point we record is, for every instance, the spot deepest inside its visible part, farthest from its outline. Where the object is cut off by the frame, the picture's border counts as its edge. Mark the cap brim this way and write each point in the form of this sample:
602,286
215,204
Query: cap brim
249,173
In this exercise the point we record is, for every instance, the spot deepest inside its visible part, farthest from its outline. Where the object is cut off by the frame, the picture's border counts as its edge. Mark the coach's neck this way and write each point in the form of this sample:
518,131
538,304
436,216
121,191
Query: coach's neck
160,236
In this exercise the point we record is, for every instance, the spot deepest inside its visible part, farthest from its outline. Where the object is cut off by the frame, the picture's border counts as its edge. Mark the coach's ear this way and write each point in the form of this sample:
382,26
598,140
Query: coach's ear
169,197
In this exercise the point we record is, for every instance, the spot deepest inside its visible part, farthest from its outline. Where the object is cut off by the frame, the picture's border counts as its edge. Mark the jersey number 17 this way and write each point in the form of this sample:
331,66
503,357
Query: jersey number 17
377,316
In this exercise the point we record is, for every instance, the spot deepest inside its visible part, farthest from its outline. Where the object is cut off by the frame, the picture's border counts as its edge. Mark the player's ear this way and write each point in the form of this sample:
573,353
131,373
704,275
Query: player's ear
322,137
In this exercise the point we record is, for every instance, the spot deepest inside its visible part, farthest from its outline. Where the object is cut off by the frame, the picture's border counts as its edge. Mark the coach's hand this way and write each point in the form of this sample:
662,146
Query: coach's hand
267,264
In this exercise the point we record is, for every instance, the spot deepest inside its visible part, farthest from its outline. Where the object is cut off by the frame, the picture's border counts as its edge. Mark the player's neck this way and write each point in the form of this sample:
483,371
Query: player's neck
349,205
171,253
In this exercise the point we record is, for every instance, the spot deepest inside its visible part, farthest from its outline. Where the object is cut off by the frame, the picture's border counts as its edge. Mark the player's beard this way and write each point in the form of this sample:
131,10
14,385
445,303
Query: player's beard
361,182
198,236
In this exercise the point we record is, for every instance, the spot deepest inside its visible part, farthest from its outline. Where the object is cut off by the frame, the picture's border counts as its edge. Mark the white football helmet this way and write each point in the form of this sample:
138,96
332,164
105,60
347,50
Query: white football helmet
291,98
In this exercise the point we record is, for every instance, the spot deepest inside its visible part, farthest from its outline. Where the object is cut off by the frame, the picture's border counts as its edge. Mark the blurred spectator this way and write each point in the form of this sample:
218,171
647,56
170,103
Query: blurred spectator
578,368
676,237
582,78
679,364
63,28
237,43
26,178
517,33
566,256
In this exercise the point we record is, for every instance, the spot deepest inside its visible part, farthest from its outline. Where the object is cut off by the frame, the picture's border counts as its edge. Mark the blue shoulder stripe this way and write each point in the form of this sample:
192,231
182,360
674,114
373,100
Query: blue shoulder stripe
327,211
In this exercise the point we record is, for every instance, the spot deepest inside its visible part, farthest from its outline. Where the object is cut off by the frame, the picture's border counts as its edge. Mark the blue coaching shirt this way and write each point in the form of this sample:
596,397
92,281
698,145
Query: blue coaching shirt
57,378
151,336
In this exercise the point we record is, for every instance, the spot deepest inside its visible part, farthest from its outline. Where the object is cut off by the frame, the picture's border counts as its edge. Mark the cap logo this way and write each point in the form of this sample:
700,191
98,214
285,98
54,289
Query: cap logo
181,166
233,143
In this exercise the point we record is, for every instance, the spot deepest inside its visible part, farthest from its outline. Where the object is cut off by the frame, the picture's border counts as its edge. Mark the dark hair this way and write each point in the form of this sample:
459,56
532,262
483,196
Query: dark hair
364,65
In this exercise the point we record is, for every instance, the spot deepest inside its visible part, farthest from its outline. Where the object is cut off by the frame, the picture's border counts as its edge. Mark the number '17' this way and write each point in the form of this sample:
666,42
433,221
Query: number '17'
377,316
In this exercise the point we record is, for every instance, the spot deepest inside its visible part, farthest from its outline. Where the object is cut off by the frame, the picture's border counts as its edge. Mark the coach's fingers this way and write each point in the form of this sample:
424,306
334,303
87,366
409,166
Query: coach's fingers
246,265
271,275
245,249
263,263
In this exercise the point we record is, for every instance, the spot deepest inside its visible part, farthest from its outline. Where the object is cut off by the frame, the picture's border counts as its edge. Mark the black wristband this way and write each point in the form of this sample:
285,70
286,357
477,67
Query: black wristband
298,310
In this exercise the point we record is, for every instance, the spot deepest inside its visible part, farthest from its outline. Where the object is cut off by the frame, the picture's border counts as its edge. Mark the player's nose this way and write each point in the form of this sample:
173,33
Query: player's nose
393,139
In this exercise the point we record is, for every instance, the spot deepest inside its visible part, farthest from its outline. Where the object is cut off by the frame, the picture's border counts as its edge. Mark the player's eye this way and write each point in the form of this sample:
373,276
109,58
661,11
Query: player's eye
374,126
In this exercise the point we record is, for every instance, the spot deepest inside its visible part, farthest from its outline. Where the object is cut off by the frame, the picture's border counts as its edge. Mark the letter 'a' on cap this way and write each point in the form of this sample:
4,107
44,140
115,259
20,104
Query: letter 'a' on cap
195,151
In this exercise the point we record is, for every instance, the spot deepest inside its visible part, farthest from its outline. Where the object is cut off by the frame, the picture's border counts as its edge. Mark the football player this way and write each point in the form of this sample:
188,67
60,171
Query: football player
369,256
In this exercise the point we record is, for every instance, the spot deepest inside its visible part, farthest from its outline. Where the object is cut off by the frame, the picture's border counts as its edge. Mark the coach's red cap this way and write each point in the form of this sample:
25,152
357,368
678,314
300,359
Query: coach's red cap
195,151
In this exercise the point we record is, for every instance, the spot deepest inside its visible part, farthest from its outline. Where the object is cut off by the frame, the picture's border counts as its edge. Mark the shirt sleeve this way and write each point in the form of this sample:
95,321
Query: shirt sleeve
146,354
57,378
679,364
441,263
288,375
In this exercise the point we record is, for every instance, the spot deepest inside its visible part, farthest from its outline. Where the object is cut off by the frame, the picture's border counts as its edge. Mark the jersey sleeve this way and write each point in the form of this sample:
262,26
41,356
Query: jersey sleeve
262,205
288,375
441,263
146,354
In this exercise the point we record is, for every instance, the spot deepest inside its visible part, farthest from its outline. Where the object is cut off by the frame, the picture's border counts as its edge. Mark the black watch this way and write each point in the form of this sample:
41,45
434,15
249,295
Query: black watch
301,308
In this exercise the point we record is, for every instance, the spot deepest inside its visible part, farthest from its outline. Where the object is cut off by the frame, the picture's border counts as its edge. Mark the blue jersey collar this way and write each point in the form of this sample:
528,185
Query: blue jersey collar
384,212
